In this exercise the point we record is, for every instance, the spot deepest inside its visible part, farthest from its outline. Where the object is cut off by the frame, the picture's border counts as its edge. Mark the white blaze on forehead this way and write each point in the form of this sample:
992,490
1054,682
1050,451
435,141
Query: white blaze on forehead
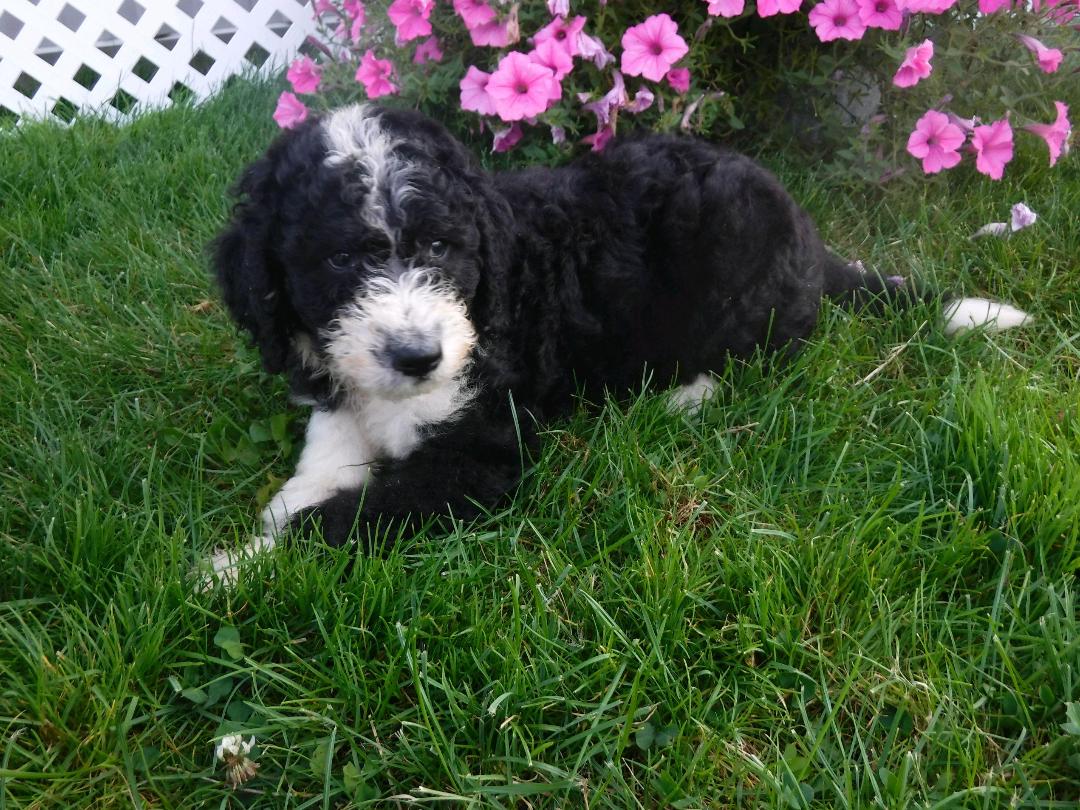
354,135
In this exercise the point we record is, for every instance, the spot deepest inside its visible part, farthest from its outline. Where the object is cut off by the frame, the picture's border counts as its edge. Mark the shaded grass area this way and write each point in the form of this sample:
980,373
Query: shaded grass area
850,582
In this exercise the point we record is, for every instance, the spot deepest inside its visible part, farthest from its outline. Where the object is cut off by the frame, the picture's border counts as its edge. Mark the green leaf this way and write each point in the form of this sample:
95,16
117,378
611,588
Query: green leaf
195,695
645,736
665,737
217,690
320,758
279,424
1072,712
228,638
259,432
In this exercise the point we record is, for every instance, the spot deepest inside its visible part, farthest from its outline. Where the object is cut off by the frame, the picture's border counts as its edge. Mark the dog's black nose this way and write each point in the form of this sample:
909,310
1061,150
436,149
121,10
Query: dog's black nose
415,361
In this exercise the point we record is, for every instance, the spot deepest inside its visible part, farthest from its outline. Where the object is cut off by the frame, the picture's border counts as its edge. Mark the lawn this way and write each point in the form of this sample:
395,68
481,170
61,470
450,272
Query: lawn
849,582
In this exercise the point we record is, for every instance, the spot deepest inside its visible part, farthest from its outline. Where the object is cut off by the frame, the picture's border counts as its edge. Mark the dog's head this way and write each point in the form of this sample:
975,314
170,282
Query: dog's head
367,245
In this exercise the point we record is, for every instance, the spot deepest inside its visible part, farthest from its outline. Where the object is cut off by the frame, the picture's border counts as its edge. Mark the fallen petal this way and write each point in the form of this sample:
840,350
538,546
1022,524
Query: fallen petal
1022,217
992,229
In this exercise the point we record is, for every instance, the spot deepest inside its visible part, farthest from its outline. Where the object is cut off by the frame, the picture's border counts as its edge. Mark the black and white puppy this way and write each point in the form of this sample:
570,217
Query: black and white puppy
434,314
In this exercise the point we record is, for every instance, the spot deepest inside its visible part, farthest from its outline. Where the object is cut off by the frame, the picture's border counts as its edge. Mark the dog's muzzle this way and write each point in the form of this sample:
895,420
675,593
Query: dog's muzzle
401,336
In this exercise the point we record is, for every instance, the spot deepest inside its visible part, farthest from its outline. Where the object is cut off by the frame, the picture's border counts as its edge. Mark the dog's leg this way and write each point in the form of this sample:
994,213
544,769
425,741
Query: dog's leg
335,457
692,396
458,473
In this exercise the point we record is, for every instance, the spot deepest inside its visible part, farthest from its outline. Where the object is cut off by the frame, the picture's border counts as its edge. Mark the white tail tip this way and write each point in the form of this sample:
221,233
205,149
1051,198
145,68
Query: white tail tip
969,313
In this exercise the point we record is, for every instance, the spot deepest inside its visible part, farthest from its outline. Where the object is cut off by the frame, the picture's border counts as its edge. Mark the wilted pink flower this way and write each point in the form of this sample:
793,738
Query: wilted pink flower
642,100
726,8
993,144
1048,58
936,141
600,138
558,134
563,31
679,79
375,75
428,51
304,75
916,65
290,111
1022,217
1056,134
474,12
990,6
837,19
616,97
883,14
354,10
474,94
769,8
411,18
507,139
1060,11
652,47
324,7
496,34
593,49
558,8
966,124
520,88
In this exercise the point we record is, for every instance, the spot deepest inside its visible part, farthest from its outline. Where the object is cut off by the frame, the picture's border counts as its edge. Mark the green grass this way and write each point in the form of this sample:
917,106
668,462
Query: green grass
832,588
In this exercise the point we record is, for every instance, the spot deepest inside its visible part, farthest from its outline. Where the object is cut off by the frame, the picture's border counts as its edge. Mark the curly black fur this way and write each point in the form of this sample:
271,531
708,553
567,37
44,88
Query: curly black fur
661,254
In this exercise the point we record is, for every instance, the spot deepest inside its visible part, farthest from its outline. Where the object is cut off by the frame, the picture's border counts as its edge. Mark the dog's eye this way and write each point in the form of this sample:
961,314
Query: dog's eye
438,249
343,262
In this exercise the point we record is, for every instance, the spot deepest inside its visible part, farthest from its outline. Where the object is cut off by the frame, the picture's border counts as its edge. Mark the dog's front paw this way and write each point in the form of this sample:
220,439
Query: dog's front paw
225,565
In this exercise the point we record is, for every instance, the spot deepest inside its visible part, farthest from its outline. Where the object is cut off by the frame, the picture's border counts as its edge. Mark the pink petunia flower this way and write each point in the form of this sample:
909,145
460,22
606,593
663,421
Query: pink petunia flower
354,10
837,19
916,65
1056,134
507,139
565,32
993,144
497,33
652,47
926,6
520,88
375,75
411,18
615,98
474,94
593,49
554,57
679,79
474,12
290,111
936,141
769,8
726,8
558,8
884,14
1048,58
324,7
990,6
600,138
304,75
428,51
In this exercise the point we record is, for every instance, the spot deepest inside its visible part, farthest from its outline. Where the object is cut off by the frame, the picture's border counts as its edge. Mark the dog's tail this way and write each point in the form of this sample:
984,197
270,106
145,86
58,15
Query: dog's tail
849,284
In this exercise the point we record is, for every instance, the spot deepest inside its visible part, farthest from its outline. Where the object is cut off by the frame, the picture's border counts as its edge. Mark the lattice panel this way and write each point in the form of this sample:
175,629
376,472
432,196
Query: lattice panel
61,56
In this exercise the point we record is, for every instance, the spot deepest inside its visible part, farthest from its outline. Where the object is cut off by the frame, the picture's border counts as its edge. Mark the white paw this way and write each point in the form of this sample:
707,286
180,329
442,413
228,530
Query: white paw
692,396
224,566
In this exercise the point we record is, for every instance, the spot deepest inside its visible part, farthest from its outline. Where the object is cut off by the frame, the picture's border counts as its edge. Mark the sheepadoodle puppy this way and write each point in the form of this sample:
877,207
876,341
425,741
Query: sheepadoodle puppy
433,314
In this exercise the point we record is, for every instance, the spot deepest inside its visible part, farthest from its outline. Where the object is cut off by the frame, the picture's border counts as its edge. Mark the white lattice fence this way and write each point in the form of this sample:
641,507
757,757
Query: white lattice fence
60,56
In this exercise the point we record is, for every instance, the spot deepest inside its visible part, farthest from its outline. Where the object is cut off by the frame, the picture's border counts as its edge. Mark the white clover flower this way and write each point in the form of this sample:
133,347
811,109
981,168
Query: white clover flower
233,751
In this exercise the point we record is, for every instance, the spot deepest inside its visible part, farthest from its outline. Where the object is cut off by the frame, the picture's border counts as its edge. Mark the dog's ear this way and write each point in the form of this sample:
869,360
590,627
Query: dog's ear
495,222
251,281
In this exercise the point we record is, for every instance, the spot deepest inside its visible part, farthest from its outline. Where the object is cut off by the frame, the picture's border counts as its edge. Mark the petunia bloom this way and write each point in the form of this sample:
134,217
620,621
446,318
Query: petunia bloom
428,51
593,49
497,33
936,141
564,32
652,47
354,10
679,79
600,138
520,88
993,144
474,94
726,8
474,12
615,98
290,111
507,139
837,19
304,75
884,14
1048,58
554,57
411,18
1056,134
769,8
375,75
926,6
916,65
990,6
558,8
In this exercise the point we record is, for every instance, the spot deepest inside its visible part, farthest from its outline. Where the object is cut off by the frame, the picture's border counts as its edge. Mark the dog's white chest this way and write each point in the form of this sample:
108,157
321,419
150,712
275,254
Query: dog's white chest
394,427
